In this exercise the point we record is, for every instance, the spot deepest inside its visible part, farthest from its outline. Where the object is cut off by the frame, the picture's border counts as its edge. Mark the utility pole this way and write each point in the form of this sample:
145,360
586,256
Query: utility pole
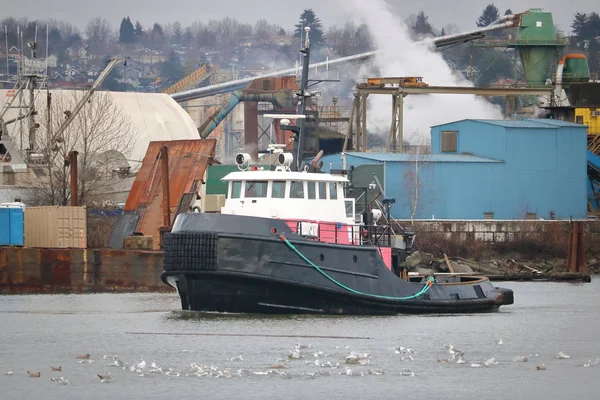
72,163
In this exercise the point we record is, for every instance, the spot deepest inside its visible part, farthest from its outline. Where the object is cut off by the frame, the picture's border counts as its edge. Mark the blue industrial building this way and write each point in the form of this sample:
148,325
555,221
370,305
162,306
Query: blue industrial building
487,169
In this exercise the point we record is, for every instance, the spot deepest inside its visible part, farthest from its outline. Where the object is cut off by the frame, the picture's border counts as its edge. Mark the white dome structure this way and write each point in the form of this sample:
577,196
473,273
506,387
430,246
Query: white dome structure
153,117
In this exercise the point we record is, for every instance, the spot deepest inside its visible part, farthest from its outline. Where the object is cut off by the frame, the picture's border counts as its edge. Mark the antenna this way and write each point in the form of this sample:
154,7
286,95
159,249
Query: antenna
47,41
6,38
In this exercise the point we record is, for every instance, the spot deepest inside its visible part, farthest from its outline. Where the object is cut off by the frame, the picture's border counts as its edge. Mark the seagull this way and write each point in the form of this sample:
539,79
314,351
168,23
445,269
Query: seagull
500,341
237,358
294,354
60,381
562,356
84,361
141,364
56,368
523,359
10,372
491,361
475,365
104,378
115,363
541,367
84,356
461,360
454,351
34,374
407,372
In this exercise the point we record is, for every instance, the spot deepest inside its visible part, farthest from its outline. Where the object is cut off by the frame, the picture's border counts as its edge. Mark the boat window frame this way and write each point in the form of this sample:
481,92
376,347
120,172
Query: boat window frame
254,185
322,193
285,186
232,189
333,195
314,190
296,182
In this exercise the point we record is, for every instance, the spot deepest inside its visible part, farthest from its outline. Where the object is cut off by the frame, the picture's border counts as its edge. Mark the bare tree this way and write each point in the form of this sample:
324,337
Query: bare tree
413,181
102,135
98,33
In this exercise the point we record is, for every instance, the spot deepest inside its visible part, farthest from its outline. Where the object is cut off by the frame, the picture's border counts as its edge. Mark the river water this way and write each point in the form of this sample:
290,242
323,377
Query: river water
39,331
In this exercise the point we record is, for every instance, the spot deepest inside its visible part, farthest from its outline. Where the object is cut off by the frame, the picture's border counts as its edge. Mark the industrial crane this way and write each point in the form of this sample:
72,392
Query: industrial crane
103,75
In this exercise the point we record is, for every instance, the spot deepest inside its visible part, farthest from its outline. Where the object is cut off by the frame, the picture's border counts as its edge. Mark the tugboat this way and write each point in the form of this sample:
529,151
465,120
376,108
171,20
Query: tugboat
287,242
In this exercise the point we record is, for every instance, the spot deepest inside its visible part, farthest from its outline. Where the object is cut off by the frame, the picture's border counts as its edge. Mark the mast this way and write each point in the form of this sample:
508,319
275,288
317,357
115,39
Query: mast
298,149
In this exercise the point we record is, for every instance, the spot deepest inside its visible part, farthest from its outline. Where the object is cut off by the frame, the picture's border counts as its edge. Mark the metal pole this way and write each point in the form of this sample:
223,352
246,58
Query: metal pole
391,142
74,191
302,111
6,39
400,123
164,155
364,122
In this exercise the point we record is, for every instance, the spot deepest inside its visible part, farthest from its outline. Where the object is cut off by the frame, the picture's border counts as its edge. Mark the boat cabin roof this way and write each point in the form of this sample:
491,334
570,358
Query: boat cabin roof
283,176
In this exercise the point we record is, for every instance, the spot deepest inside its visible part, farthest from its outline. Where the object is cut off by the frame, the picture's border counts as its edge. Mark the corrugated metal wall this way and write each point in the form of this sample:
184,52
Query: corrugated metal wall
543,171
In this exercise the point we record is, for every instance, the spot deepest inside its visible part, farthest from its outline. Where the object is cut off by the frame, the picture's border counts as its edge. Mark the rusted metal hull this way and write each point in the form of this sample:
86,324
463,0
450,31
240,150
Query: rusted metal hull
37,270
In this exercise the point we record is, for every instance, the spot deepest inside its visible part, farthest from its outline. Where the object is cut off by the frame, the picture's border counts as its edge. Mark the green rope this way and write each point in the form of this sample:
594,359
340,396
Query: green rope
430,280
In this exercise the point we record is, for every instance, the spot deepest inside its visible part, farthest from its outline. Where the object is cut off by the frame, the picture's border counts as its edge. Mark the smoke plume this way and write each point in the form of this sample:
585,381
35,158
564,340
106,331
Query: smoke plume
401,56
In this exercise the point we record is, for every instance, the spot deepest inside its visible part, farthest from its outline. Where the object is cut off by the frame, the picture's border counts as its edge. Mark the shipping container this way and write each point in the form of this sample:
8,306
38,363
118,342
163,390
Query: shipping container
52,226
11,224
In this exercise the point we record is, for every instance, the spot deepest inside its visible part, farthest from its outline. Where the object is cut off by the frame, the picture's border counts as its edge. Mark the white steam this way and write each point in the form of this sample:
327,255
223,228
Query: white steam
401,56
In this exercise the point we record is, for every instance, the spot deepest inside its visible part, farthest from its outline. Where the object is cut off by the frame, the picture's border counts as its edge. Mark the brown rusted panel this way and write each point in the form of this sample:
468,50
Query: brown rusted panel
3,268
188,160
55,266
27,270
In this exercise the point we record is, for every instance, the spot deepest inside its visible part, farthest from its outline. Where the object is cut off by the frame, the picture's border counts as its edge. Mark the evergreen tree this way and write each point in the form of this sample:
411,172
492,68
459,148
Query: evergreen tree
508,12
157,36
309,18
443,32
177,33
593,25
138,30
579,27
489,15
172,70
126,31
422,25
282,32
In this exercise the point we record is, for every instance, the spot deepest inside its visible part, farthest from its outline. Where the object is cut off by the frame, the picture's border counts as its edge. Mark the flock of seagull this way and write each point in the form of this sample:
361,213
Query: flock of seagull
315,359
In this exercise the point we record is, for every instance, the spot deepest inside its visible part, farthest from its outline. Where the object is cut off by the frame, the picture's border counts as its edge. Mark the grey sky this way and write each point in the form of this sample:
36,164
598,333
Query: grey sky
285,13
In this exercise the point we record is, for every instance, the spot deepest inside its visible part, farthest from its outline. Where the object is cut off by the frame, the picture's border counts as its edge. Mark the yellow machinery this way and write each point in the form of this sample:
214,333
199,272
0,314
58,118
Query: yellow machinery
189,80
408,81
590,117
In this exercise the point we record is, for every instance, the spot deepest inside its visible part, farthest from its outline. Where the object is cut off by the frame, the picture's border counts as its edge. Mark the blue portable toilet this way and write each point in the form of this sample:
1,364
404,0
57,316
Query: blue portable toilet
12,221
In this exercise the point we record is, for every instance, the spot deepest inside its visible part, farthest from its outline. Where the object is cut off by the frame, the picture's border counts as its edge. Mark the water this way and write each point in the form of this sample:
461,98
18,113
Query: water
38,331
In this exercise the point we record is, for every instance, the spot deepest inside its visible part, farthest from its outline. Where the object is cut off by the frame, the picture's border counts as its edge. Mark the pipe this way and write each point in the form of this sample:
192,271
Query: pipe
278,99
558,89
317,158
241,83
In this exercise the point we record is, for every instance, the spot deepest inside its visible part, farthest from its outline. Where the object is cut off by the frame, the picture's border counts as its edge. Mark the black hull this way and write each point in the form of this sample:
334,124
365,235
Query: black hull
235,264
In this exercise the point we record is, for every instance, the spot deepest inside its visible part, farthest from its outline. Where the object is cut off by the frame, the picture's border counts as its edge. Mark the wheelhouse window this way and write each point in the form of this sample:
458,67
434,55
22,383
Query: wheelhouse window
236,188
322,190
333,190
296,190
311,190
278,190
256,189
